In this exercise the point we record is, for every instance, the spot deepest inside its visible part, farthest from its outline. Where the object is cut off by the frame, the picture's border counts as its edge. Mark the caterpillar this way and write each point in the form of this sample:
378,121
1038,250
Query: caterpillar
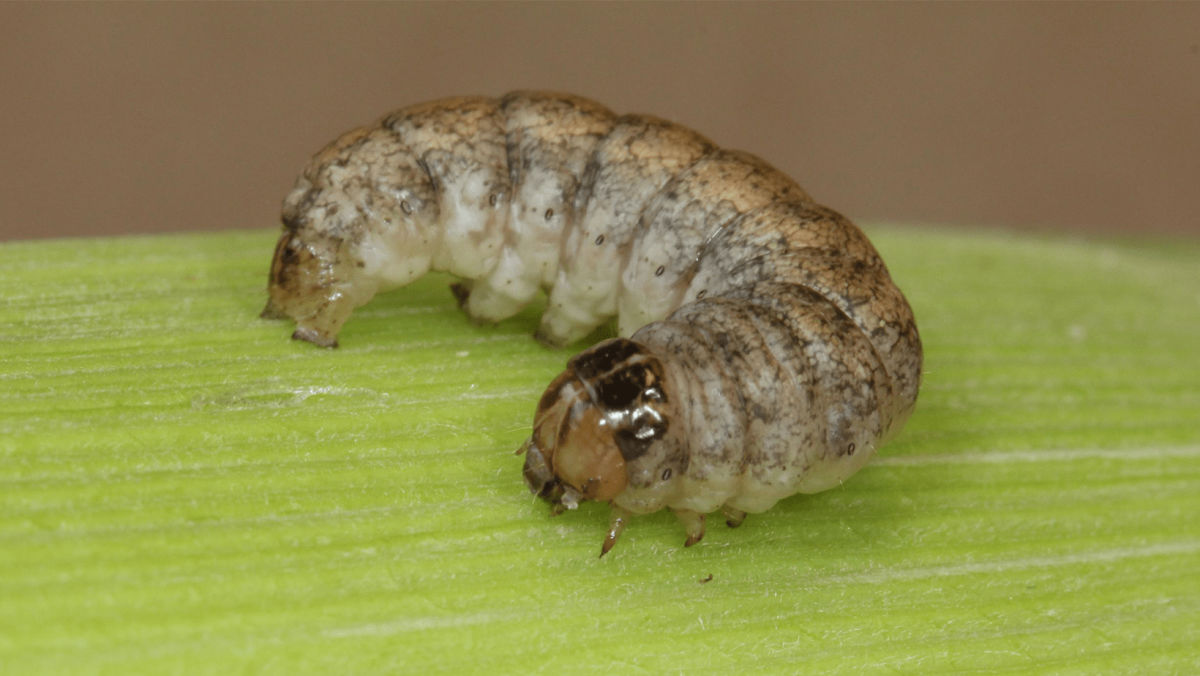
764,350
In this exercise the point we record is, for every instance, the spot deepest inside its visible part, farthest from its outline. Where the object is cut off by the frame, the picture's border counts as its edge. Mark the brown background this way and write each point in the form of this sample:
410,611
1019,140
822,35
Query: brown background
121,118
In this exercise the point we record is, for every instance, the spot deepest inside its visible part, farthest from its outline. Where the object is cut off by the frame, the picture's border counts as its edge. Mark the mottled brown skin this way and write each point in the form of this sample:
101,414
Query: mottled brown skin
628,167
766,350
481,188
363,198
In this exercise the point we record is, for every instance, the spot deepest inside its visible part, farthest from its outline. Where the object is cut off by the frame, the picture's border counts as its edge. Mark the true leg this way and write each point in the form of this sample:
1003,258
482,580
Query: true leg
616,523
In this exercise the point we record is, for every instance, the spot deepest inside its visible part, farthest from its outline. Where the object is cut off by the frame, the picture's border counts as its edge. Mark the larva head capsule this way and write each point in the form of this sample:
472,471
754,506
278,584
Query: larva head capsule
598,415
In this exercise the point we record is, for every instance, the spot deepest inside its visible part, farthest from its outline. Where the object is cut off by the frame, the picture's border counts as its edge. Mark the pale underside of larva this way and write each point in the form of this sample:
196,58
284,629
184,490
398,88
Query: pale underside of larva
765,350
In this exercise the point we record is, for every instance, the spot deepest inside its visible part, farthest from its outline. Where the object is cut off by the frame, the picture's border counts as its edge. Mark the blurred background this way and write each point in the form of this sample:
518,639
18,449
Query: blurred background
134,118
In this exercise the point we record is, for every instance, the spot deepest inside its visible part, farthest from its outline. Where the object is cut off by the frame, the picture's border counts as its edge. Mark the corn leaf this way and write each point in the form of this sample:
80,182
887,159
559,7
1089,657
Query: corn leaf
184,489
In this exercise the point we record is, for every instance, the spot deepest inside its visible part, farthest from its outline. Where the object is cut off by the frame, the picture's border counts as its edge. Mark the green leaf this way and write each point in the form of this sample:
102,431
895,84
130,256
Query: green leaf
182,488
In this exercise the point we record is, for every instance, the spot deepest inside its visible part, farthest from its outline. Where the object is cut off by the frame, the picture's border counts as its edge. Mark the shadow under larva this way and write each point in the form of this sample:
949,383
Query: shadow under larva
765,350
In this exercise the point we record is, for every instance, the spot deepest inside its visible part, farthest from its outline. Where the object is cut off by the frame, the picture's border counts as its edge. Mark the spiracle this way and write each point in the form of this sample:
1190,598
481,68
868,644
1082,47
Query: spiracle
764,349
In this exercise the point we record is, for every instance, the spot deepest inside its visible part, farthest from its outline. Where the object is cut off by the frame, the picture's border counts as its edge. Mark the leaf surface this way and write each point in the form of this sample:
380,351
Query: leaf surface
182,488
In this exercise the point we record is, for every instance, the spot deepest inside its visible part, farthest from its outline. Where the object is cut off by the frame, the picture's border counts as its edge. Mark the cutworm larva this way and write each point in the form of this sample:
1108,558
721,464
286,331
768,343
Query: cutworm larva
765,350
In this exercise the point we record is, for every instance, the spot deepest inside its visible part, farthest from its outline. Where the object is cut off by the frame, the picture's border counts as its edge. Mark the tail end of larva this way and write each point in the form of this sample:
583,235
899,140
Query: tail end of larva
272,311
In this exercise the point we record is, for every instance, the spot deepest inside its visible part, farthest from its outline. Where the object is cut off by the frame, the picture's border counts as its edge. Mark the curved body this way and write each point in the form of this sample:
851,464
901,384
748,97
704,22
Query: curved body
765,350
